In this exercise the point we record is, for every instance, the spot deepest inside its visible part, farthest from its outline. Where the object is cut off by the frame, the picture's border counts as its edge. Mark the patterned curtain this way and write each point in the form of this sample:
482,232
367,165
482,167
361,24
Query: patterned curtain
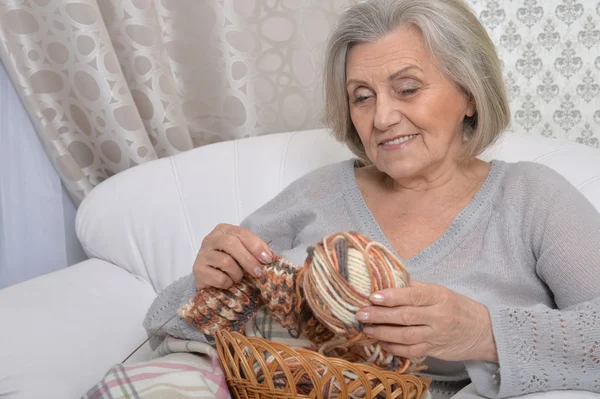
110,84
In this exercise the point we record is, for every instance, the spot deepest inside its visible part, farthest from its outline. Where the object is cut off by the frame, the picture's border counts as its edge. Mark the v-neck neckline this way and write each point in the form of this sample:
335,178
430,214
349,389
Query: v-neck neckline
446,242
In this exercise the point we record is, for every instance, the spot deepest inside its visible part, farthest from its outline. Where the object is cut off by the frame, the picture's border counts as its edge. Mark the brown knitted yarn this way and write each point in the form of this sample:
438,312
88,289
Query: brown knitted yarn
213,309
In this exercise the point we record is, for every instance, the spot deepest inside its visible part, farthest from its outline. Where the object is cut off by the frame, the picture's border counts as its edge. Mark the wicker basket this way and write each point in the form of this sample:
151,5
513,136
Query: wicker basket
259,369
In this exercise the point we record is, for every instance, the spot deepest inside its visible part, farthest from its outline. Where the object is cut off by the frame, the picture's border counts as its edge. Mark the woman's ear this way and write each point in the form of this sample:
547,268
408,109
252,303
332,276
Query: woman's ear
470,108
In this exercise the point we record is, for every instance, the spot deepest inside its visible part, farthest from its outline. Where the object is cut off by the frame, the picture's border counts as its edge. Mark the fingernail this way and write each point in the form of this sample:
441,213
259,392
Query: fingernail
376,298
266,257
362,316
257,272
368,330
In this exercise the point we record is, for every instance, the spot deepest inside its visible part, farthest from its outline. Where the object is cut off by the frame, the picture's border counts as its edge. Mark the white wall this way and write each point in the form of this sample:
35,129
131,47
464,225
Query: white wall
37,218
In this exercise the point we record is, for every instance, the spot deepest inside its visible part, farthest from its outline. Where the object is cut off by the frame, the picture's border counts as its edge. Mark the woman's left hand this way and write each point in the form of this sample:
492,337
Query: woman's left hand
430,320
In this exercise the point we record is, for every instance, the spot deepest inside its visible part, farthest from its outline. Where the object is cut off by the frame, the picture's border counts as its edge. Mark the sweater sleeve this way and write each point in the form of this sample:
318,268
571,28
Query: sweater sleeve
539,348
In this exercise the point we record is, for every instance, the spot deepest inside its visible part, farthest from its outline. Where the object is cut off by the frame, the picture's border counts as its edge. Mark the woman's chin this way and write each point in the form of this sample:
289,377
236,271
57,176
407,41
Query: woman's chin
400,169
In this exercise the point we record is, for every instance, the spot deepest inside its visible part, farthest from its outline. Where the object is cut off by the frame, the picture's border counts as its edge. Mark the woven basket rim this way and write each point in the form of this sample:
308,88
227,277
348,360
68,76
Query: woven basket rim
236,352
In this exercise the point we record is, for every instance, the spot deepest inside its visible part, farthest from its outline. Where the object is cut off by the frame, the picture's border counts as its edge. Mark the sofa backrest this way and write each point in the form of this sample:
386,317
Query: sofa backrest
151,219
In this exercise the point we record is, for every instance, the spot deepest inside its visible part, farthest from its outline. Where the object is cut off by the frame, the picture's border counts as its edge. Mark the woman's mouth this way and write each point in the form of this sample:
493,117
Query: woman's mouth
398,142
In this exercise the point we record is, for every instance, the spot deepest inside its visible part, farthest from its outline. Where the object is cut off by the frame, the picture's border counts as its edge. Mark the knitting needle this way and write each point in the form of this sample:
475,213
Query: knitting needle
149,338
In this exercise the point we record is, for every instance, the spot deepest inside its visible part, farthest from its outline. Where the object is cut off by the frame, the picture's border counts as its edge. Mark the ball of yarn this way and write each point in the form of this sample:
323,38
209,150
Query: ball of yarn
339,275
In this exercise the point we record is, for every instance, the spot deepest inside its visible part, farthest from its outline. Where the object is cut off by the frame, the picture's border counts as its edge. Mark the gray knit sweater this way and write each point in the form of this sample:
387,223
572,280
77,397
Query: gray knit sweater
527,247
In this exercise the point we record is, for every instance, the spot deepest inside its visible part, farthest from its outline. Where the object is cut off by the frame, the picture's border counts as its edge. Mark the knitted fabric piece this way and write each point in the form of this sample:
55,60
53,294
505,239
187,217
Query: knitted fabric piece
213,308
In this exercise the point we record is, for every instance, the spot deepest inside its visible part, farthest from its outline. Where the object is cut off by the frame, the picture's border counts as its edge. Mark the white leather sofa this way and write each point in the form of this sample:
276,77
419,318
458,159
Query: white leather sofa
59,333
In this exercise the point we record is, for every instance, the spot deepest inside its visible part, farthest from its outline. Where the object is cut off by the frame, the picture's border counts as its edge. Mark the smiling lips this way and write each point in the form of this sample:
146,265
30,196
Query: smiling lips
397,142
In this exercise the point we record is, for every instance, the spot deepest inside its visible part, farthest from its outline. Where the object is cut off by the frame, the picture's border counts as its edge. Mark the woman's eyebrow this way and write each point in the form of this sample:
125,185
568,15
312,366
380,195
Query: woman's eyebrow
400,72
355,81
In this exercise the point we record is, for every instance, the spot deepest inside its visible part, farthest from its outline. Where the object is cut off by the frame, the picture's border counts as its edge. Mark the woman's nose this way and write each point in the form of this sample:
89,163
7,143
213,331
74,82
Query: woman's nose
387,113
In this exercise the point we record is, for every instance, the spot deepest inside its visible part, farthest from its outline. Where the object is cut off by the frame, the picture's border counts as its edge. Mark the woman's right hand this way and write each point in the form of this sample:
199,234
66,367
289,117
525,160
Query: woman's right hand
226,254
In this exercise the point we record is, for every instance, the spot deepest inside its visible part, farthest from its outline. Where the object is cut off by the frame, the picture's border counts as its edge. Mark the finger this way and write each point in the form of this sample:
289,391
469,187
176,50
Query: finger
400,315
399,335
210,277
408,351
224,262
421,295
231,245
256,246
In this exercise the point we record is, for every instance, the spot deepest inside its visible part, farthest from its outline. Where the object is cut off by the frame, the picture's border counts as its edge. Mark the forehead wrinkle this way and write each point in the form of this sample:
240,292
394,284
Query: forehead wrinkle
367,56
391,62
385,71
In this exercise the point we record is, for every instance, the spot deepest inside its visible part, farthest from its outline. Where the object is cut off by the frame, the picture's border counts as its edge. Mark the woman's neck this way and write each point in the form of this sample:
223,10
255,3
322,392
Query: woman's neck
442,183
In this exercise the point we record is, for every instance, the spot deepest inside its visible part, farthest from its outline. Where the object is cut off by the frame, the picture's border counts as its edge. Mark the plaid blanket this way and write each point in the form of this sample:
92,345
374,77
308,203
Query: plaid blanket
182,369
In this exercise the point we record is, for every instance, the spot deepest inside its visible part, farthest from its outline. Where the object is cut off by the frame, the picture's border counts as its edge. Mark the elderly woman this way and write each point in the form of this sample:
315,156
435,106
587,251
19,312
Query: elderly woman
505,256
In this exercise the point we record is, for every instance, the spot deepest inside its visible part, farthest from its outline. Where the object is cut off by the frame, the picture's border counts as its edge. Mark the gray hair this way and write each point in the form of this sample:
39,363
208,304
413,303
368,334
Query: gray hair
457,41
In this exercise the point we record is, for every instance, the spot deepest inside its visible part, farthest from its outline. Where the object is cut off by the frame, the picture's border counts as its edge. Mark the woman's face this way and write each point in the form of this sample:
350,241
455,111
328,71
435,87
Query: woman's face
408,114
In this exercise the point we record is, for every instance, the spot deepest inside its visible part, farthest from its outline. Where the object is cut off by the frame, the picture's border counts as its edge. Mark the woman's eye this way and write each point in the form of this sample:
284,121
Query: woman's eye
408,92
360,99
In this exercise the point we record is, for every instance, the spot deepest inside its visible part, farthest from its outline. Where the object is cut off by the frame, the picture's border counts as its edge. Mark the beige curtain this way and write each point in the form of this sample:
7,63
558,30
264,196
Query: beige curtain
110,84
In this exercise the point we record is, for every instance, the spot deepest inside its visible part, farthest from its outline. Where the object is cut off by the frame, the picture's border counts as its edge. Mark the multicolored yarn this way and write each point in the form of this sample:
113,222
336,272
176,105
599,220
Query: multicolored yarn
339,275
213,308
318,301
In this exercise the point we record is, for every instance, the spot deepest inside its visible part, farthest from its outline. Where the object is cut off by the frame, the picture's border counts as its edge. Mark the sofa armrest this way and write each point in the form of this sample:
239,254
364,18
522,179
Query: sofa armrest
62,331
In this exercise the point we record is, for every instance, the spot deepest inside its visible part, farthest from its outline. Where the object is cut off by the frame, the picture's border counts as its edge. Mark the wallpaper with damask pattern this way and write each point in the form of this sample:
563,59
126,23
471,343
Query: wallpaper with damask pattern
550,53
